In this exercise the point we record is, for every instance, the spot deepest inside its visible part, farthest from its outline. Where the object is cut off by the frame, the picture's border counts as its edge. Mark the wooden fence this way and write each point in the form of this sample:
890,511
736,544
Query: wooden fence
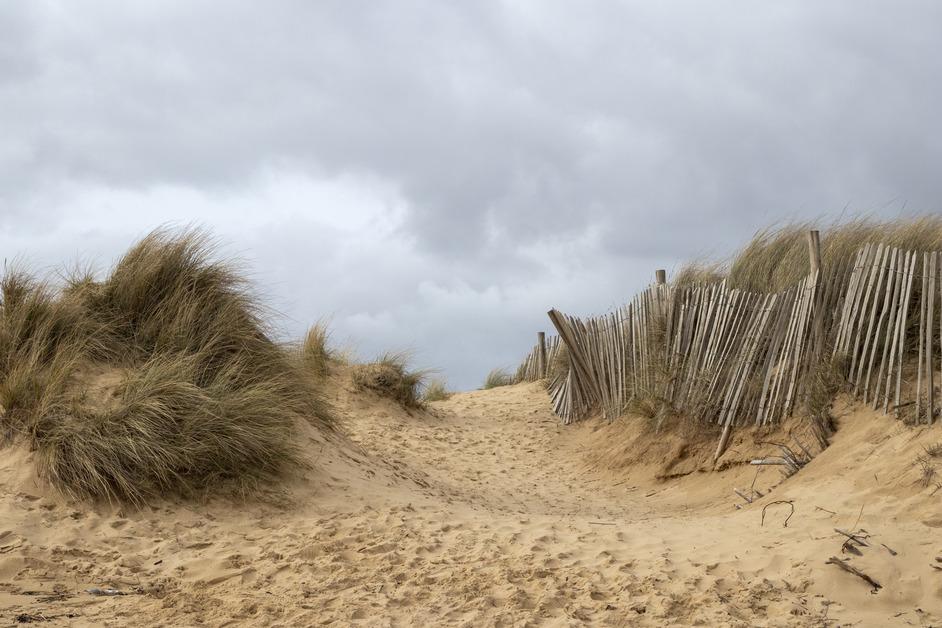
726,356
537,364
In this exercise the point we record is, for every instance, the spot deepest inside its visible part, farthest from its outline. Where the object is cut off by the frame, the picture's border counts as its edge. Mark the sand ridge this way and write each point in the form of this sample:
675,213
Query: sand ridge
485,511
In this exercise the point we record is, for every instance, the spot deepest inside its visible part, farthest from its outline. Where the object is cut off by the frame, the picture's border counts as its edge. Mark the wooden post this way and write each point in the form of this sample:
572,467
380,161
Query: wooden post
814,260
660,276
814,250
541,343
922,336
930,368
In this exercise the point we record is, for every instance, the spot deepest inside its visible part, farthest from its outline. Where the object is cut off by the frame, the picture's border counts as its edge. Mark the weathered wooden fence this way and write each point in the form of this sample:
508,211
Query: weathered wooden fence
722,355
536,365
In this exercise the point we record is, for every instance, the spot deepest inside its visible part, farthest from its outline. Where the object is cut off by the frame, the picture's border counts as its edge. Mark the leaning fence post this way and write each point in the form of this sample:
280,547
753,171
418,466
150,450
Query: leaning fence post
814,262
577,359
541,343
660,276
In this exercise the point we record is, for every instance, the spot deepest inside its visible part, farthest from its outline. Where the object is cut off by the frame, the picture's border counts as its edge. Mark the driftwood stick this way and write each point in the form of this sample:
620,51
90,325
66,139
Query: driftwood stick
802,448
755,495
843,564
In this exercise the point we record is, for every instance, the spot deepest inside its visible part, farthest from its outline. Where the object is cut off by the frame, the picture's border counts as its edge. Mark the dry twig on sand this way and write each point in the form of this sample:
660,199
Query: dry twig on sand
853,541
858,538
781,501
843,564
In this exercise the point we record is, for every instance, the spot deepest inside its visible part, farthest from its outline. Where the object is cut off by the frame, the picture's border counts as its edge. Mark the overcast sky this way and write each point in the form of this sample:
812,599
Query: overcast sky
434,176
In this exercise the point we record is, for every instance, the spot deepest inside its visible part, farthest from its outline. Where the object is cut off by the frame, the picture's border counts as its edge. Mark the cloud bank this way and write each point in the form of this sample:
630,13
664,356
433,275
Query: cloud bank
436,176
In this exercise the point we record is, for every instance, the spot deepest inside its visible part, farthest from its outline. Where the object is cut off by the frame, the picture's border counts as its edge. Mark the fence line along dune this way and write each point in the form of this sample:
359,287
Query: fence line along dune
795,317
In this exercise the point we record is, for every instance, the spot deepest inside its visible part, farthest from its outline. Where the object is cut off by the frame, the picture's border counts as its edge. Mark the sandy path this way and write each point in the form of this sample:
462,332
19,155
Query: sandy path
480,513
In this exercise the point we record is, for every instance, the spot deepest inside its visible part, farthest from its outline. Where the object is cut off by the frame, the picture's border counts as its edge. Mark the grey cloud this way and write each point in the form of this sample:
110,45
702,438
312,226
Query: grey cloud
627,135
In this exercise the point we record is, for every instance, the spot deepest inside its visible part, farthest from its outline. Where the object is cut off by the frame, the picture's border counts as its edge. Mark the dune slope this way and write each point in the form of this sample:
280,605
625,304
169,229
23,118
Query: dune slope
485,511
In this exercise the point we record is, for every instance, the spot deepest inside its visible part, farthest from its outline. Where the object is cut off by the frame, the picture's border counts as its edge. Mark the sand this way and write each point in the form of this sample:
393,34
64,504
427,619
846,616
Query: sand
485,511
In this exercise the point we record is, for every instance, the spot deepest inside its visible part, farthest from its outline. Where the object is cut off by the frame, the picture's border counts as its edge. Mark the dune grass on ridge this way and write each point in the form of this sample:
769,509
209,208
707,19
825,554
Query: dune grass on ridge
390,376
186,387
436,390
498,377
777,258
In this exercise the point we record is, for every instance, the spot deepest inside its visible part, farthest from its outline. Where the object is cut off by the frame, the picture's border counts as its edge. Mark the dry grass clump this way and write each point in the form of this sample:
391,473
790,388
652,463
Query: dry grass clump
191,389
777,258
648,406
927,472
498,377
42,341
390,377
314,353
560,364
697,273
824,384
436,390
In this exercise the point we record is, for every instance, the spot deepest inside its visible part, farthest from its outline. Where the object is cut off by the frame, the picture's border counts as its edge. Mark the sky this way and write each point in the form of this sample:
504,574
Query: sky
432,176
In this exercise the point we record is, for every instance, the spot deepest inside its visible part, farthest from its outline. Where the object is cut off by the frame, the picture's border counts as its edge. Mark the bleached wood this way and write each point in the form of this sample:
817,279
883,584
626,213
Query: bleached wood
803,332
922,334
884,312
848,300
774,352
892,331
864,307
857,373
782,367
743,372
930,331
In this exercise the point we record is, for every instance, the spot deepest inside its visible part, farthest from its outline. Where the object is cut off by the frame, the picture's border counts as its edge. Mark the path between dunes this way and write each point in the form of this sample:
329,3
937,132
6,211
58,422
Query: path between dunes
484,512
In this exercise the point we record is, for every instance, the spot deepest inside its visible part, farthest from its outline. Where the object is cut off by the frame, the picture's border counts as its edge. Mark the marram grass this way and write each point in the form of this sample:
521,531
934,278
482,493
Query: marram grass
160,379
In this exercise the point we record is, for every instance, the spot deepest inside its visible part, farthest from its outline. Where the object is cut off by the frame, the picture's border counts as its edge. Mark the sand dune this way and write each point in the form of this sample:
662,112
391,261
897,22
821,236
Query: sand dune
485,511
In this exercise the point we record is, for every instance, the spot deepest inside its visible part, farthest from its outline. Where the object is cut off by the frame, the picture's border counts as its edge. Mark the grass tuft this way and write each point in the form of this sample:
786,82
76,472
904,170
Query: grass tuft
927,471
777,258
826,381
314,352
159,379
498,377
390,377
695,273
436,390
